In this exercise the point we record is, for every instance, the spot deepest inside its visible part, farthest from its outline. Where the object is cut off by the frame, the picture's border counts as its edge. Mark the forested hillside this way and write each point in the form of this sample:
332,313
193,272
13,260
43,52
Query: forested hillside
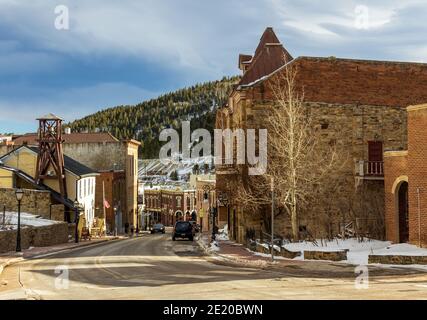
144,121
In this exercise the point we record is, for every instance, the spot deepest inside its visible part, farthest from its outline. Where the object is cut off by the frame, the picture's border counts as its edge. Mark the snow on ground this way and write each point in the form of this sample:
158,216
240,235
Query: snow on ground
403,249
223,234
214,246
27,219
358,251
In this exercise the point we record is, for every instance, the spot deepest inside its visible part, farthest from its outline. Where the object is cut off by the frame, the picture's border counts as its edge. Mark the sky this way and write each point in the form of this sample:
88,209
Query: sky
124,52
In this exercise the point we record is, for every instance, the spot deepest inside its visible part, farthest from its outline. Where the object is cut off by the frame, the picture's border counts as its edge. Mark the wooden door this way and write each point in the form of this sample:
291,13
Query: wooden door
375,151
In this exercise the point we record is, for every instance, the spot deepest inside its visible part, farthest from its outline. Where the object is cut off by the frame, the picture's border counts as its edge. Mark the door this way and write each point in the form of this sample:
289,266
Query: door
375,151
375,158
403,213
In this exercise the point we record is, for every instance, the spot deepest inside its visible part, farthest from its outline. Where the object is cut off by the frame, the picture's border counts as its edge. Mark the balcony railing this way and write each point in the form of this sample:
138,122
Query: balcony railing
370,168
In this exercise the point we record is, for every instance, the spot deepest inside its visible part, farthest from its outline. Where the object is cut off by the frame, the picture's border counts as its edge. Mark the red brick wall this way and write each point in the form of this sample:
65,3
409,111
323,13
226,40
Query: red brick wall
417,169
395,166
347,81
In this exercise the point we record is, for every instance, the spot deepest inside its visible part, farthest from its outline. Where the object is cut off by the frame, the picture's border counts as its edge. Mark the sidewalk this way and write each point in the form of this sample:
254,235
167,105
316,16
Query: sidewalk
239,254
14,257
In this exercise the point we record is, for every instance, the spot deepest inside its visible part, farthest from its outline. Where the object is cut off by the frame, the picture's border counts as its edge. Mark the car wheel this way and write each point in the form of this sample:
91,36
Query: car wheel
173,238
190,238
163,232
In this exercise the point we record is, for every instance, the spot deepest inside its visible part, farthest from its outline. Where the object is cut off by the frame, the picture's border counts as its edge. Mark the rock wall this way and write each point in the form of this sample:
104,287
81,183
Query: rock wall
43,236
395,259
34,201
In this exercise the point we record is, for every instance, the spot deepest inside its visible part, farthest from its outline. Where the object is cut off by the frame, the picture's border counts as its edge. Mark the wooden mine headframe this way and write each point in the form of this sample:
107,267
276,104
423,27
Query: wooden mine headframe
50,160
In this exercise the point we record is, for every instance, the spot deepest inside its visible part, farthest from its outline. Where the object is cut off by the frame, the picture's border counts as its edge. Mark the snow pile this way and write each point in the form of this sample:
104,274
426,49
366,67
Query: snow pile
337,245
11,219
223,234
214,246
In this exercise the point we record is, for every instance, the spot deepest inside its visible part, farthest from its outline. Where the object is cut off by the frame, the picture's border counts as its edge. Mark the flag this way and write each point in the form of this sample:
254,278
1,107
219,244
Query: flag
106,204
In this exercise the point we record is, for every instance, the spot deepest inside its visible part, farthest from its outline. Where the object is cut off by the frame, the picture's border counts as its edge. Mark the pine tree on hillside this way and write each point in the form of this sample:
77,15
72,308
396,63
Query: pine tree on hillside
146,120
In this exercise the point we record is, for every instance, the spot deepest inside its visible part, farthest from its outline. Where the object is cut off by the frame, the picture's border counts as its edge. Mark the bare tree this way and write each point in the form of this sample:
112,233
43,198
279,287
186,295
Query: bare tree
299,162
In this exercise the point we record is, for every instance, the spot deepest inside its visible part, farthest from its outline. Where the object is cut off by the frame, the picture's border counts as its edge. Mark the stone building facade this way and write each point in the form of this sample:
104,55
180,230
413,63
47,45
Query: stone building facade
357,105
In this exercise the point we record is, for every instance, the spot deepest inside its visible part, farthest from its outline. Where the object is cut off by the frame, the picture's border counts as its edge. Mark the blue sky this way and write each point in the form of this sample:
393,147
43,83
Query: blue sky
124,52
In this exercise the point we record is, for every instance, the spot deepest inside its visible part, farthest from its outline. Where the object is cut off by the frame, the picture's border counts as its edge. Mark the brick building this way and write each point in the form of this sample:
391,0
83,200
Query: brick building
406,184
358,105
111,187
168,206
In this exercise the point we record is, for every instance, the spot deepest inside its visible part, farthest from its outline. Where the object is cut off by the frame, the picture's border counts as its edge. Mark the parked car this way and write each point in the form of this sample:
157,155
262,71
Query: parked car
183,230
158,228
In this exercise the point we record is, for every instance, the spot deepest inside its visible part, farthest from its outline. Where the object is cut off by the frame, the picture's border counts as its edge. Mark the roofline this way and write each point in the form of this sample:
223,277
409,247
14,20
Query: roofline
40,187
133,141
404,63
88,175
66,169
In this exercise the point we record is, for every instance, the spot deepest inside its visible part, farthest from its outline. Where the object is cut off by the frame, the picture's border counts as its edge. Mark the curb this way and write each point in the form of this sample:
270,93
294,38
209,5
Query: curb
236,261
46,254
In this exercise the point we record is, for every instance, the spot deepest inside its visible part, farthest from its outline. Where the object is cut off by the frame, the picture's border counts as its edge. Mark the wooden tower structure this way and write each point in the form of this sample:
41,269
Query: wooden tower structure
50,160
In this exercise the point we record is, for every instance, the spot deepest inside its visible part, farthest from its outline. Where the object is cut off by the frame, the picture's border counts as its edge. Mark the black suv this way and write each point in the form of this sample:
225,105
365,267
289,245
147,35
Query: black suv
183,230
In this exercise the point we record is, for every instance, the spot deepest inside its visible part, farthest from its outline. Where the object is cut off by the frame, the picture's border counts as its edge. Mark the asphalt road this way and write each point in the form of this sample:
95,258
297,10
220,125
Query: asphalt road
154,267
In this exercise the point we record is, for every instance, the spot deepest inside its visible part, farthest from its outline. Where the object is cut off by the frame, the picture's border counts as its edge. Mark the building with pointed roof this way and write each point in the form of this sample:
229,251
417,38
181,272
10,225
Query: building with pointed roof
358,105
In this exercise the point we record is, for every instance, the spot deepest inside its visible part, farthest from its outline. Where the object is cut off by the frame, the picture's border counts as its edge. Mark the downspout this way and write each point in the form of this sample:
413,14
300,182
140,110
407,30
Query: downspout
419,217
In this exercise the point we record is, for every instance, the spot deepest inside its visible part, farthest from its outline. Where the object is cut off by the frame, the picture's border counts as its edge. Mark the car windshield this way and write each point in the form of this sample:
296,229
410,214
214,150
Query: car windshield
158,226
182,227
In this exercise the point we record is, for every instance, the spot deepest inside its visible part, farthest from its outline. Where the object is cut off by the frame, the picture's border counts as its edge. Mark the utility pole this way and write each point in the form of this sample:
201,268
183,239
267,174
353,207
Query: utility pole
272,219
103,207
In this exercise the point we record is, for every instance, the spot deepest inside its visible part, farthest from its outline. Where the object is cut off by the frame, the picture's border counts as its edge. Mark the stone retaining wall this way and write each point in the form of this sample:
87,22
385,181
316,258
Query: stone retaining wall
257,247
43,236
34,201
325,255
395,259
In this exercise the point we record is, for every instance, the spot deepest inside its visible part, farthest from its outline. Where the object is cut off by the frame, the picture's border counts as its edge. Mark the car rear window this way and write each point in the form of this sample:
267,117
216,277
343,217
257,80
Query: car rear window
182,227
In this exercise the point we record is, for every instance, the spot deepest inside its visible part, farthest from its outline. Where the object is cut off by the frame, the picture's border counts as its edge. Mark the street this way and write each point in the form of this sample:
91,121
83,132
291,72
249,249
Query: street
155,267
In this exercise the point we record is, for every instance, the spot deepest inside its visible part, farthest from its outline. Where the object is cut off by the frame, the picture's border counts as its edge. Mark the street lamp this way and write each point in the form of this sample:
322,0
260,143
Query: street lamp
77,208
115,220
19,193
